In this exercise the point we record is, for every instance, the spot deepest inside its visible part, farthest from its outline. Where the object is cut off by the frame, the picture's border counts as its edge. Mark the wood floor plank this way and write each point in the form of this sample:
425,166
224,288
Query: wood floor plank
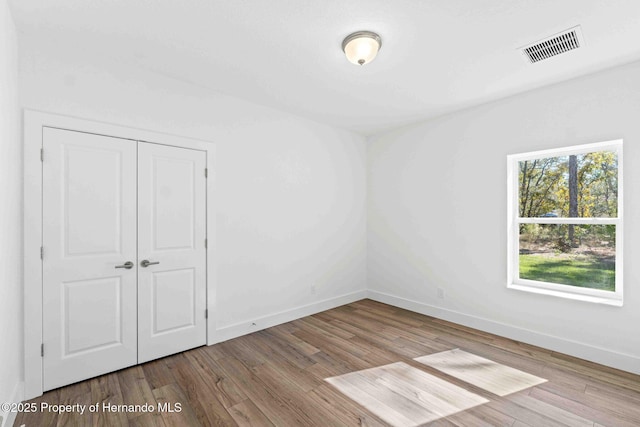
214,352
326,363
275,377
334,347
320,371
198,389
558,414
536,419
135,390
367,324
222,387
443,422
105,391
387,347
391,318
500,355
467,419
369,303
484,373
266,399
447,330
78,393
289,392
38,417
300,345
247,414
597,414
283,348
443,391
157,374
327,326
347,344
416,344
358,345
615,395
337,405
287,327
150,419
481,415
387,406
599,371
171,395
398,388
304,380
594,393
252,353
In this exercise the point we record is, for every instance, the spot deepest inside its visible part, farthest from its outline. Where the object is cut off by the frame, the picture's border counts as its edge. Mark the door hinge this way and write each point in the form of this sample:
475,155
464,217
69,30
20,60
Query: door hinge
205,243
206,313
41,350
206,172
42,154
41,252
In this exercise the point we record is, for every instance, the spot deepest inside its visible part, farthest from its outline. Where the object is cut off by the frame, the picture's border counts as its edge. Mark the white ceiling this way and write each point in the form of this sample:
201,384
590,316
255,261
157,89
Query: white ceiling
437,56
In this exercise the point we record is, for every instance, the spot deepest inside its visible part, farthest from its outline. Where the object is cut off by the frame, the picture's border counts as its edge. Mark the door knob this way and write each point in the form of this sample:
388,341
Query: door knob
128,265
146,263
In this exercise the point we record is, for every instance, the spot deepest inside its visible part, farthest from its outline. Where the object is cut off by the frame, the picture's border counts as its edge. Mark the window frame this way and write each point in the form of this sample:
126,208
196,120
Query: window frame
514,220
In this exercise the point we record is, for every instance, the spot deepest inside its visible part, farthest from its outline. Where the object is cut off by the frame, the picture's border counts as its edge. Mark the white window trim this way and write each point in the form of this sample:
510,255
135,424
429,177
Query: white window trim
513,220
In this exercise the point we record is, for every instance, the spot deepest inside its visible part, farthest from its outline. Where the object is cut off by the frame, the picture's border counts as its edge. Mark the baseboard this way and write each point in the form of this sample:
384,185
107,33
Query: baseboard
8,418
257,324
625,362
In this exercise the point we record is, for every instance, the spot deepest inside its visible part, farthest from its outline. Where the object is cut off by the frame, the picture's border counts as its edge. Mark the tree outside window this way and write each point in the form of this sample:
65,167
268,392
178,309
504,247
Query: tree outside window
566,222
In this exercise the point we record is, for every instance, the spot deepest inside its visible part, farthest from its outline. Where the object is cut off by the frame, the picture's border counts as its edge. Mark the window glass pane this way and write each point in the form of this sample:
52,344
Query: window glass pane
579,186
575,255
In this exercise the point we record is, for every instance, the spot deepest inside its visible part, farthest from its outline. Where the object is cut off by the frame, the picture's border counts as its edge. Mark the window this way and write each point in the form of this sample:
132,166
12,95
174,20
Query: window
565,222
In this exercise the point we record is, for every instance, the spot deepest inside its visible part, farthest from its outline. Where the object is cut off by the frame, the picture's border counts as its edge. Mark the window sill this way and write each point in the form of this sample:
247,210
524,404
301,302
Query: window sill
568,295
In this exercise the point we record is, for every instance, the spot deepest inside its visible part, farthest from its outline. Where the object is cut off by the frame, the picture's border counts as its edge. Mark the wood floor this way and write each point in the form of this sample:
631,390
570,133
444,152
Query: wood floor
405,396
276,378
488,375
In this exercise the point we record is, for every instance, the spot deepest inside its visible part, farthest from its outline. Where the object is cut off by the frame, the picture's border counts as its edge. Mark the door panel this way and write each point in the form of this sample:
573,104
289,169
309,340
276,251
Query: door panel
171,233
89,228
92,318
173,201
92,187
174,295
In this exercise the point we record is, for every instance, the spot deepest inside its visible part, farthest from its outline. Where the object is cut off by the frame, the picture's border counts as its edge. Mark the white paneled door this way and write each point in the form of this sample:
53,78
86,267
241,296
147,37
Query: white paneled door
171,250
89,234
124,258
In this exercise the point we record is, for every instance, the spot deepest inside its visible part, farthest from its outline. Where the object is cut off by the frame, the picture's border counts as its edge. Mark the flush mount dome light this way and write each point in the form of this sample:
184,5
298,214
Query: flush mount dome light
361,47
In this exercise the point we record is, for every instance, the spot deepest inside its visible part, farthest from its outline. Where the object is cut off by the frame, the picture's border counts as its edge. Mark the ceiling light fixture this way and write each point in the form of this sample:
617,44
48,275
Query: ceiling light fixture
361,47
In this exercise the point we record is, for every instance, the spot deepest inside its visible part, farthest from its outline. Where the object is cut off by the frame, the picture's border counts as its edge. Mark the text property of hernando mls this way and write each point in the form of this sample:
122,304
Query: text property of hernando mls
81,409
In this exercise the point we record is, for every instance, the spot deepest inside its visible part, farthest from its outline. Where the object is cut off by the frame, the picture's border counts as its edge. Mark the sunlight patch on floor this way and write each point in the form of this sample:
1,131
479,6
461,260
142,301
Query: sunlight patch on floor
484,373
405,396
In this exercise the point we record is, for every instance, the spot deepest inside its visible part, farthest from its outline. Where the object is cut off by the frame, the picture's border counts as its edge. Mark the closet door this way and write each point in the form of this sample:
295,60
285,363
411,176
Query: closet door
171,250
89,262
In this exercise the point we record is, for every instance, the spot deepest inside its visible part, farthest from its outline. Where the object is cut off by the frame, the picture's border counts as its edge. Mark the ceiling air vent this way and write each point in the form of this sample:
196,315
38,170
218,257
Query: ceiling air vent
565,41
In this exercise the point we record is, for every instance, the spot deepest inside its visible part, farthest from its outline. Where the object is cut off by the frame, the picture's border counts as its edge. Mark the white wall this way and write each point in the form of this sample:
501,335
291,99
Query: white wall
437,215
290,192
10,215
